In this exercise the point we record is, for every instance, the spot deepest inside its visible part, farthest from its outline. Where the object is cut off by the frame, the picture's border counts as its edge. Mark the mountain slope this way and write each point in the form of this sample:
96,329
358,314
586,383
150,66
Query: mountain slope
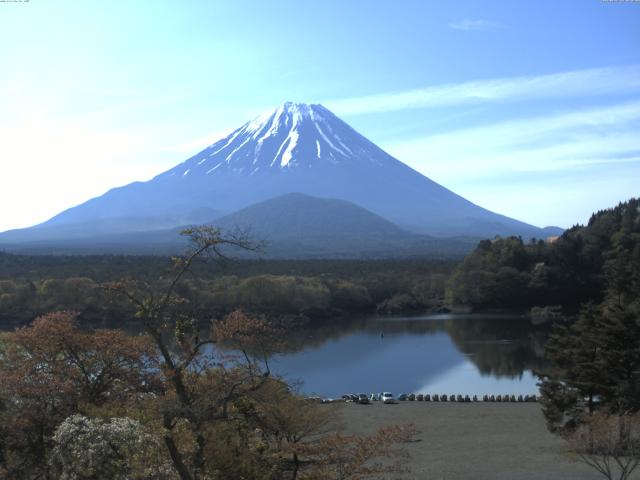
291,226
299,216
296,148
55,231
295,225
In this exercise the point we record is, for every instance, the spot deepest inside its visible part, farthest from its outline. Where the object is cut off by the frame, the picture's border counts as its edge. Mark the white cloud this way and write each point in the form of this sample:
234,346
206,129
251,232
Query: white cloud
474,24
575,158
540,143
595,81
563,201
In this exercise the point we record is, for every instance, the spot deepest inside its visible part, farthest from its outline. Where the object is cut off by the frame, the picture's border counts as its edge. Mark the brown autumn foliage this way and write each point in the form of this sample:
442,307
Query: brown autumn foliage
610,444
200,391
239,421
213,415
352,457
51,370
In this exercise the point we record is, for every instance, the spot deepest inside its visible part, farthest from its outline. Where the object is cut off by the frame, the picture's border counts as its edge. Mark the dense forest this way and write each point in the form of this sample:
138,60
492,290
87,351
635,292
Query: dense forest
588,282
281,289
581,266
590,392
585,264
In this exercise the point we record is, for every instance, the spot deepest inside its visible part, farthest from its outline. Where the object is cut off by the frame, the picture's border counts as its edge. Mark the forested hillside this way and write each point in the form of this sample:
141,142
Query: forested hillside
32,286
587,263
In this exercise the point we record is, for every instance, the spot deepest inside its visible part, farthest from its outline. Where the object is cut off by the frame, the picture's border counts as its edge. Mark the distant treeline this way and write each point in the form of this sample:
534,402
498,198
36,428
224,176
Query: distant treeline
33,285
586,264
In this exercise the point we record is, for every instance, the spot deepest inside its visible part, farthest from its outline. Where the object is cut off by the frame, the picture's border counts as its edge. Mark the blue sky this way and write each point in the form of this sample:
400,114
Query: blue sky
528,108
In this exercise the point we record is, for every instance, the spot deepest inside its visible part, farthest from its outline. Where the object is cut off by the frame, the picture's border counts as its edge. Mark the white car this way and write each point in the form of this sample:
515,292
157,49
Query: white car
388,397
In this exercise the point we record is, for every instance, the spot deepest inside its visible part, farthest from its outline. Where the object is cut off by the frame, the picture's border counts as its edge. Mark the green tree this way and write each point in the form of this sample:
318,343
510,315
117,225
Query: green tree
597,366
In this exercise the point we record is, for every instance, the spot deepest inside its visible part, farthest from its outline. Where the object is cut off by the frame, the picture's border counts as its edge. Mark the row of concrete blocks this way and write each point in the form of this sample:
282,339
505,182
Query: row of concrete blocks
462,399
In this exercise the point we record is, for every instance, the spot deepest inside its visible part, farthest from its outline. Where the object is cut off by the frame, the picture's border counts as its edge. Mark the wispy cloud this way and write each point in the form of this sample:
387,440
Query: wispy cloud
572,155
544,143
588,82
475,24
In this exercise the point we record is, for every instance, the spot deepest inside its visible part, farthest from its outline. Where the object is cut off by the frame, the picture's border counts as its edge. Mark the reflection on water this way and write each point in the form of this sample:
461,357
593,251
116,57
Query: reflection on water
452,354
443,354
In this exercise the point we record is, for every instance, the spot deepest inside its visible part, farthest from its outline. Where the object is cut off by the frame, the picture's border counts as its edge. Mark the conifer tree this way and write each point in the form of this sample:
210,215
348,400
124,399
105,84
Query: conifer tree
596,366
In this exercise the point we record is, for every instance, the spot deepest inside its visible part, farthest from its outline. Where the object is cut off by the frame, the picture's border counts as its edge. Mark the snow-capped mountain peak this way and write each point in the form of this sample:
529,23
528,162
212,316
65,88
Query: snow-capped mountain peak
293,148
294,135
271,118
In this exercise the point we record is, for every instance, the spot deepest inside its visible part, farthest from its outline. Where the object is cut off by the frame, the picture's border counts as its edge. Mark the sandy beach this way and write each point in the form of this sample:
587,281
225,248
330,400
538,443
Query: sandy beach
474,441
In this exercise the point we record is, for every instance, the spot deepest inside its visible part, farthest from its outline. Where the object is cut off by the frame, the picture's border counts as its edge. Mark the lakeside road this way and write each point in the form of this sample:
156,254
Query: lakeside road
474,441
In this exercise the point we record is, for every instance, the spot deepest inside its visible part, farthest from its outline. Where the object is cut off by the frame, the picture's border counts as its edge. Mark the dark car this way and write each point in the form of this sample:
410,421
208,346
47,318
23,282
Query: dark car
363,399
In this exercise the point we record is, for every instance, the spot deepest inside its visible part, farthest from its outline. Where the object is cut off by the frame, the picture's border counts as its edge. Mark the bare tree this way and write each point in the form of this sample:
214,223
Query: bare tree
352,457
608,443
180,345
225,415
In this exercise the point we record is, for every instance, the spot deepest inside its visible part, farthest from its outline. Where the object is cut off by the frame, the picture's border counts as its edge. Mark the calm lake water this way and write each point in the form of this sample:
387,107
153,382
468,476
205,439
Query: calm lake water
444,354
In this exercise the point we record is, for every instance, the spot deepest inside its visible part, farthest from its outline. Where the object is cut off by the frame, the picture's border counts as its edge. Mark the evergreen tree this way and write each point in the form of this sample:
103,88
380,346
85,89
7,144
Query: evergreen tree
597,366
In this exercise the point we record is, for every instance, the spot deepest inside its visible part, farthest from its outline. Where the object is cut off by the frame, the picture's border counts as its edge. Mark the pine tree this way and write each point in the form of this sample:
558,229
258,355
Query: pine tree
597,366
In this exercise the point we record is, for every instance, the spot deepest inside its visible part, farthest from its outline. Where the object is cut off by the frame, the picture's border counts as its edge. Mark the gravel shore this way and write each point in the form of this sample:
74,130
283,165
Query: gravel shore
474,441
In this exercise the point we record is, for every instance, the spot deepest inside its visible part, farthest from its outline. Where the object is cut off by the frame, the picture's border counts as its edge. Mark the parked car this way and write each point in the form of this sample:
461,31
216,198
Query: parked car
363,399
387,397
403,397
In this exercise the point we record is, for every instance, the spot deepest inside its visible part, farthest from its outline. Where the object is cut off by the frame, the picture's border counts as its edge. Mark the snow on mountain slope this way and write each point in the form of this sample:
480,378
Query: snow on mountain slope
292,136
297,148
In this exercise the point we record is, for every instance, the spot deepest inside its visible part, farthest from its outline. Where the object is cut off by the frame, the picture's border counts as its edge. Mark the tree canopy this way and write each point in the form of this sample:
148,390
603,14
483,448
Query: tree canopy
587,263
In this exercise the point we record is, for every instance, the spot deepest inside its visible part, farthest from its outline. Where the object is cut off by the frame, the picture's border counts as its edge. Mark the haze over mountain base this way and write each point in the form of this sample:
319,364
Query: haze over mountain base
388,208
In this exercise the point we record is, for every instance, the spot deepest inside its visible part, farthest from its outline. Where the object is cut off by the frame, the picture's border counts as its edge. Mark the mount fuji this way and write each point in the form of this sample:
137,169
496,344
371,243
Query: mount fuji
296,148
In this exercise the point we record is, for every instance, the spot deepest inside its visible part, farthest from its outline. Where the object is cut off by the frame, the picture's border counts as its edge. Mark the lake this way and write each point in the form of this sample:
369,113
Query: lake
443,354
469,354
